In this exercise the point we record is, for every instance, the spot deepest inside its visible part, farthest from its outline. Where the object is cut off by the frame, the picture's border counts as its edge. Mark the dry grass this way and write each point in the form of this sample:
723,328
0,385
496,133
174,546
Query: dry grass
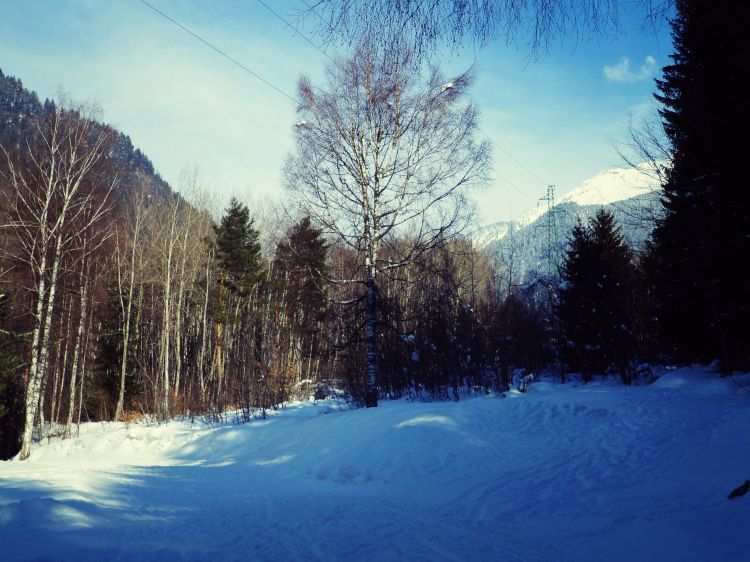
131,416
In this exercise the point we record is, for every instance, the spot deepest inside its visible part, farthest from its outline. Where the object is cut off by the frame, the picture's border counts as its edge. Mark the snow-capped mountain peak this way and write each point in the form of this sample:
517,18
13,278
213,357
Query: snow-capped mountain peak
631,194
610,186
605,188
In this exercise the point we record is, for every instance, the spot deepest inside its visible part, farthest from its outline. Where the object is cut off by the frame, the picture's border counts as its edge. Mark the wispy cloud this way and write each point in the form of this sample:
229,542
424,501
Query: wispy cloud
621,72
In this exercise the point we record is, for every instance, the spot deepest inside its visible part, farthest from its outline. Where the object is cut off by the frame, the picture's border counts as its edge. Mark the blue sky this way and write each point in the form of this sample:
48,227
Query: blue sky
186,106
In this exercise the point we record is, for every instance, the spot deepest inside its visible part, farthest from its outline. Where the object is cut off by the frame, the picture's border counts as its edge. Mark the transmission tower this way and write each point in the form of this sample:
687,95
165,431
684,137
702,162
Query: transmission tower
550,225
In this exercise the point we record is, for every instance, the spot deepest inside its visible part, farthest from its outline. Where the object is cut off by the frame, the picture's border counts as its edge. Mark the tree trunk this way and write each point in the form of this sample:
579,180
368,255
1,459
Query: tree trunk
219,358
41,336
126,327
204,333
371,394
166,329
178,331
83,371
77,354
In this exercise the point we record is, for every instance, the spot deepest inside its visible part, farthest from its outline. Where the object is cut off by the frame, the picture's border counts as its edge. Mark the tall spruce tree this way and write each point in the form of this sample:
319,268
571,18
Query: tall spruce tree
239,271
702,245
593,308
238,249
298,302
300,264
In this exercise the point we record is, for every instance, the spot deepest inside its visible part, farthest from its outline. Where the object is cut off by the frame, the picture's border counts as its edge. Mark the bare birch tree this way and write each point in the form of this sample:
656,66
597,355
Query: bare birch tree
165,245
52,193
132,237
426,26
193,233
382,151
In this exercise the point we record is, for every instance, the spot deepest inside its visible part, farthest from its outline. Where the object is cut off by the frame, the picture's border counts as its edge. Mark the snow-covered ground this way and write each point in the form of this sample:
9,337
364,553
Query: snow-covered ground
563,472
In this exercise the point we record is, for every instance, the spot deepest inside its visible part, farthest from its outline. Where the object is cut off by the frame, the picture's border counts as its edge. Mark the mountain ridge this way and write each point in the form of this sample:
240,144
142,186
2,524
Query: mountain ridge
631,194
19,106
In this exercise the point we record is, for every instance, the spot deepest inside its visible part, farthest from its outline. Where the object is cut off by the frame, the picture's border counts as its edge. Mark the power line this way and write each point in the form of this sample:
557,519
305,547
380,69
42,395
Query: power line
312,43
509,182
296,29
222,53
514,186
516,160
529,170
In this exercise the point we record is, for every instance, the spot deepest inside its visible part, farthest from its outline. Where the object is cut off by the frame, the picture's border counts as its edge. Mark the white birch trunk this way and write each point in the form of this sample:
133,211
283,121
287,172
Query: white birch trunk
77,354
127,312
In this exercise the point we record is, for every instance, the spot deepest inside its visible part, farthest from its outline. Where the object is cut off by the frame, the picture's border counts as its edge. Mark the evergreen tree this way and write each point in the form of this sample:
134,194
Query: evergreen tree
299,271
701,251
300,265
238,249
17,108
595,294
519,334
233,299
11,388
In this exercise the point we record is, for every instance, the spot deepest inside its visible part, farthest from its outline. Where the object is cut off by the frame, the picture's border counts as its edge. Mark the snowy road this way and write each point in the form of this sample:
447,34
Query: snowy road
591,473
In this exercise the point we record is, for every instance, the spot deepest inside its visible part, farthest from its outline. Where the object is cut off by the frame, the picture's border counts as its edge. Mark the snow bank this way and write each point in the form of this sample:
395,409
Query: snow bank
597,472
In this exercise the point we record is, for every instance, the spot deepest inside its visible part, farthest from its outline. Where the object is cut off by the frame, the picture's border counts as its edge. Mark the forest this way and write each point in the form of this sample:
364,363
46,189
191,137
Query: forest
122,297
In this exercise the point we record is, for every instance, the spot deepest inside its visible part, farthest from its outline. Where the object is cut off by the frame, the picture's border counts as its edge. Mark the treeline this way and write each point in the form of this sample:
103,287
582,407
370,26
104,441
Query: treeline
115,307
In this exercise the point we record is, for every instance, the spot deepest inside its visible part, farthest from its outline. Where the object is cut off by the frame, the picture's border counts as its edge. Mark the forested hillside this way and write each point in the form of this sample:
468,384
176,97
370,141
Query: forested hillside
19,108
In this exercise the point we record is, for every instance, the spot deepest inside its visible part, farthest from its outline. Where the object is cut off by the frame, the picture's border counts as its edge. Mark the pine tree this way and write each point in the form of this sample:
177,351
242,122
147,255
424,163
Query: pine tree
300,261
238,249
299,291
593,309
701,249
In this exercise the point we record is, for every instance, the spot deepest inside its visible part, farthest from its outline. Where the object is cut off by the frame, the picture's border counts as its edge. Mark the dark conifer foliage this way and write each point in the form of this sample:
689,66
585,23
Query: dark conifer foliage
434,325
518,333
17,107
299,301
11,389
594,306
238,249
300,262
702,246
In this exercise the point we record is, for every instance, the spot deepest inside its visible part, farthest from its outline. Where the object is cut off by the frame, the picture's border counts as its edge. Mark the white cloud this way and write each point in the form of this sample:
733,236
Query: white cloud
621,72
